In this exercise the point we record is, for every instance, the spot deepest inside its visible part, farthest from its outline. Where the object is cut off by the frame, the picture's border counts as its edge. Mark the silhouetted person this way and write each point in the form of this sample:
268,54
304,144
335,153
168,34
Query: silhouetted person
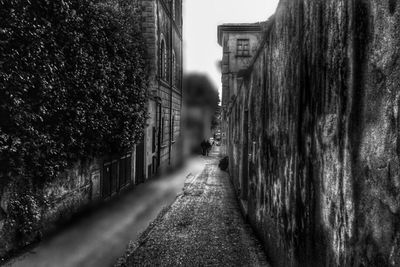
204,147
208,147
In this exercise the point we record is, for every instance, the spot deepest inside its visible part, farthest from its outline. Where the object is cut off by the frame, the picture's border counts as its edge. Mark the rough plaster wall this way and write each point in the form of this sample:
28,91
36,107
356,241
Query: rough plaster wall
376,169
237,63
324,187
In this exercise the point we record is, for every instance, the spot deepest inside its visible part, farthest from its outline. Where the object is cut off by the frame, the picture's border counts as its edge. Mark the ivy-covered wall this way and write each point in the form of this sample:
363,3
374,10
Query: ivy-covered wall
31,213
73,88
315,127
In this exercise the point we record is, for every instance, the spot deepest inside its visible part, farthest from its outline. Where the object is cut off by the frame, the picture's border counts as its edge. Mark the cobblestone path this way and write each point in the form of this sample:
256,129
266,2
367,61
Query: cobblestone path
203,227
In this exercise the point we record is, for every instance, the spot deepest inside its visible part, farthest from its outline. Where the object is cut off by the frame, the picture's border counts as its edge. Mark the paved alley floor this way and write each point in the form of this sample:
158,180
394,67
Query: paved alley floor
203,227
102,237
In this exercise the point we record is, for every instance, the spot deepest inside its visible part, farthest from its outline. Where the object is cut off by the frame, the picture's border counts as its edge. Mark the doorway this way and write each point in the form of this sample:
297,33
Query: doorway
245,157
140,168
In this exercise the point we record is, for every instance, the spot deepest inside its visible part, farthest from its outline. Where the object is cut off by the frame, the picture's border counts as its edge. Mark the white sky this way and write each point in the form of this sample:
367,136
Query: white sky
201,18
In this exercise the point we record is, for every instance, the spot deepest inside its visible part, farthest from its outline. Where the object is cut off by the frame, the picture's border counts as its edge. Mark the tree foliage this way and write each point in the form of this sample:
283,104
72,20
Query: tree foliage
199,91
73,80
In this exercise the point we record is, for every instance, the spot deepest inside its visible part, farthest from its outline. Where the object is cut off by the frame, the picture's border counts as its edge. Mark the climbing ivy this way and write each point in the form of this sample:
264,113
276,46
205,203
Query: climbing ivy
22,225
73,80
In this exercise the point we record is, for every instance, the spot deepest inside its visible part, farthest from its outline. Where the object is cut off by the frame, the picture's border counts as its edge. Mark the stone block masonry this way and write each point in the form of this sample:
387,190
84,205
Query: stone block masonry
319,160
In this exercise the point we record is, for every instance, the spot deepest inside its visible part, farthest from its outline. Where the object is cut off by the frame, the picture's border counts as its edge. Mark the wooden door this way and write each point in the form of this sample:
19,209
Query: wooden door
106,181
125,168
140,168
116,175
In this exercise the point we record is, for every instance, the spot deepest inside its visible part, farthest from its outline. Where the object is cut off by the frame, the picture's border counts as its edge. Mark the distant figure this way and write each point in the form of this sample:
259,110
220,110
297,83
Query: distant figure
208,147
204,147
212,142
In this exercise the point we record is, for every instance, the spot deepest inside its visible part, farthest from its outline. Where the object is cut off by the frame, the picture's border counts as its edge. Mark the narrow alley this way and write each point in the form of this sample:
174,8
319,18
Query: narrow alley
200,133
203,227
102,237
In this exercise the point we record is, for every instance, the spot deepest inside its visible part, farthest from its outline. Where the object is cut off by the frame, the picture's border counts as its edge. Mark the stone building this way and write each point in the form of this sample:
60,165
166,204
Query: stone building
312,128
239,42
162,25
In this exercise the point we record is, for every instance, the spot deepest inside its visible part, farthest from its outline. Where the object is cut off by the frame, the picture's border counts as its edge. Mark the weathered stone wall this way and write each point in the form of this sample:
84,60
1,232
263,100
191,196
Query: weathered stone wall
321,134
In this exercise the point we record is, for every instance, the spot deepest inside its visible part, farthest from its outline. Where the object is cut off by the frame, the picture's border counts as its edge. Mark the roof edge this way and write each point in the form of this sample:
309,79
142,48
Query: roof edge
238,27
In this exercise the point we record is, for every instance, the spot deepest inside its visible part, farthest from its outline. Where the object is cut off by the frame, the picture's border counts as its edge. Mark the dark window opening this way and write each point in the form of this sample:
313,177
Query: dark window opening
173,129
154,140
392,6
163,61
163,123
173,68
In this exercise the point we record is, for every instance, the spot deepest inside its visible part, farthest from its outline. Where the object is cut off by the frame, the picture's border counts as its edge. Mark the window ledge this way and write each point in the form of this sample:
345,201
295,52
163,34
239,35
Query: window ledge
164,82
176,90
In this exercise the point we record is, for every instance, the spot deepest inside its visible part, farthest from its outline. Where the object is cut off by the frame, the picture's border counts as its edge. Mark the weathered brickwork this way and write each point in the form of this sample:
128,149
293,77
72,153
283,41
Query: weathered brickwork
313,134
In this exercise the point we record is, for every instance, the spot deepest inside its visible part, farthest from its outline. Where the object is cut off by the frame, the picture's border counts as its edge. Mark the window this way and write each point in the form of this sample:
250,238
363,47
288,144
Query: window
173,10
173,128
174,70
153,150
164,125
178,12
243,47
163,61
162,129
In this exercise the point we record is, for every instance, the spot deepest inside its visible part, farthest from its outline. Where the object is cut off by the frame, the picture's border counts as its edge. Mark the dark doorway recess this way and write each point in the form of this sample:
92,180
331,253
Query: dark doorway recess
140,169
117,173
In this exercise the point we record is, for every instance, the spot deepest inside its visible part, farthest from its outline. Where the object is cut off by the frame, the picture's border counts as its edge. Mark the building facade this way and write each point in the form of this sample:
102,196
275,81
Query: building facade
239,43
162,26
312,128
160,148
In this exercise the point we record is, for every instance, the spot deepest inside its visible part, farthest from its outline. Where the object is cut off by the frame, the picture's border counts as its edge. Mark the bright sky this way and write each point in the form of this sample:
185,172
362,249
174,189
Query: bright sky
201,18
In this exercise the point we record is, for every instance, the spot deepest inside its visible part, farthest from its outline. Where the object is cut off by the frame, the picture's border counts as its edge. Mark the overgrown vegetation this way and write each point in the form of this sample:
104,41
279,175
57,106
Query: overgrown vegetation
73,80
200,92
24,213
73,86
